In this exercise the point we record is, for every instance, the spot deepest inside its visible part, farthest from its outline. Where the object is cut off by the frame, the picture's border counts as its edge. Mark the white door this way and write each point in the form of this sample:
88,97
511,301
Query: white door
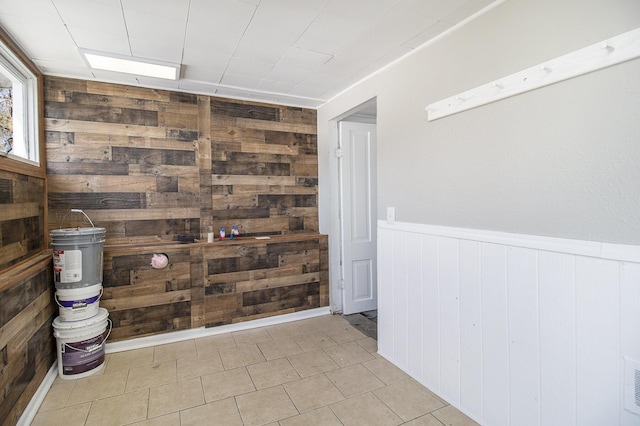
358,216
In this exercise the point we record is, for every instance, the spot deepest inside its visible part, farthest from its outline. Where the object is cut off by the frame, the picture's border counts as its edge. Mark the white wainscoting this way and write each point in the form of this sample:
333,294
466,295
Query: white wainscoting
511,329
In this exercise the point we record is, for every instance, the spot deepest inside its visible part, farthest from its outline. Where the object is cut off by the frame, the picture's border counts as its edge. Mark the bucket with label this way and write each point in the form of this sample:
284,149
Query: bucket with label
80,345
77,255
76,304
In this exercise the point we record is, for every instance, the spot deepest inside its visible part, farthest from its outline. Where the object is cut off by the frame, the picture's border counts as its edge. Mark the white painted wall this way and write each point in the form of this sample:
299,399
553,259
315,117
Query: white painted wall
510,333
511,329
560,161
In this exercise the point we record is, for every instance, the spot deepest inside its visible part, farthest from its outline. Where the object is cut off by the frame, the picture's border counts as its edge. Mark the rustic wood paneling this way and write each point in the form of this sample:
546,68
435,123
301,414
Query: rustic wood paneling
113,148
212,284
22,221
27,345
149,165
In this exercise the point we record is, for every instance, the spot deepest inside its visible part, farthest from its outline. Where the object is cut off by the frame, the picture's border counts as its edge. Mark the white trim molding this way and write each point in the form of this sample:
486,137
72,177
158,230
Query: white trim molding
610,251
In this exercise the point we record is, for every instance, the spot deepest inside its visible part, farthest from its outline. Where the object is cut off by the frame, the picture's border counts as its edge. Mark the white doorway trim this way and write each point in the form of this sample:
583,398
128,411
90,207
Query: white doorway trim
365,113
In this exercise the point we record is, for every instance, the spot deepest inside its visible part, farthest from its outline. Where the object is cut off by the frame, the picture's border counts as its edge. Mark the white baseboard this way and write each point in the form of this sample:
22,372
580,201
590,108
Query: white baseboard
162,339
194,333
36,401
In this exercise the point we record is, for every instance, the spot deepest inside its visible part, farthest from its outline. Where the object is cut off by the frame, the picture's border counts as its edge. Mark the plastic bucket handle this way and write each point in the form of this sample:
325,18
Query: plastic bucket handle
77,211
101,343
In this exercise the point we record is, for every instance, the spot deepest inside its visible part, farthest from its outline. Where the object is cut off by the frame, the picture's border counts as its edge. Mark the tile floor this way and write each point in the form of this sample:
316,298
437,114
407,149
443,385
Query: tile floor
319,371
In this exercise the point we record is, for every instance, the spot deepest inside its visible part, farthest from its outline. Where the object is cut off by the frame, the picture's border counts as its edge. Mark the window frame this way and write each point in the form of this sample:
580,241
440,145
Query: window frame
27,102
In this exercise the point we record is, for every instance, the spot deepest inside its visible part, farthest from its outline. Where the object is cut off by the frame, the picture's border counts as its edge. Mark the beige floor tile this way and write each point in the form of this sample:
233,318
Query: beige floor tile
385,371
174,351
271,373
408,399
199,365
311,324
279,348
148,376
314,340
354,380
100,386
119,410
215,343
264,406
348,354
426,420
322,416
75,415
172,419
224,412
241,356
252,337
310,363
127,359
175,397
227,384
313,392
58,395
286,330
365,409
345,333
370,345
451,416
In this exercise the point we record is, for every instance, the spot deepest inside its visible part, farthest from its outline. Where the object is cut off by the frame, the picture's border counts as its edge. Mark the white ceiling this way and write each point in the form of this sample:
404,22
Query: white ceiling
292,52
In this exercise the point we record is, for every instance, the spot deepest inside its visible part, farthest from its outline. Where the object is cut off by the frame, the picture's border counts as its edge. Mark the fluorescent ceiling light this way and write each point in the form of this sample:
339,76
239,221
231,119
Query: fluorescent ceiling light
131,65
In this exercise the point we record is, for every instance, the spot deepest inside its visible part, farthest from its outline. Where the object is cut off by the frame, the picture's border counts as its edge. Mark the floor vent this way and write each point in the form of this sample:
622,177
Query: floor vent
632,386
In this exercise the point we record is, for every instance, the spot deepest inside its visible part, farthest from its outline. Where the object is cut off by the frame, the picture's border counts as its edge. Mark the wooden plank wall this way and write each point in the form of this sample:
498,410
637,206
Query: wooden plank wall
22,220
213,284
148,165
27,308
27,345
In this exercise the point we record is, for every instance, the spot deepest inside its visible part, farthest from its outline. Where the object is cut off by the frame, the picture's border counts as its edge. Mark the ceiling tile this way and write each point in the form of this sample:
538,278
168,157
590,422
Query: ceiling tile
95,40
196,73
248,67
307,91
174,9
103,17
229,17
49,40
158,50
466,10
262,26
436,9
275,86
261,50
428,34
240,80
303,59
341,22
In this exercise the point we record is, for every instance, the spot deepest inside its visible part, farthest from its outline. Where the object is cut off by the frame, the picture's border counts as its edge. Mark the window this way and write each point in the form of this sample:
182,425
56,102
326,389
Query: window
18,109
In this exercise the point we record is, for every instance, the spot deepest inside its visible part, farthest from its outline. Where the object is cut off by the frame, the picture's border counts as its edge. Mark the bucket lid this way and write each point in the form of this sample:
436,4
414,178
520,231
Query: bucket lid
71,232
60,324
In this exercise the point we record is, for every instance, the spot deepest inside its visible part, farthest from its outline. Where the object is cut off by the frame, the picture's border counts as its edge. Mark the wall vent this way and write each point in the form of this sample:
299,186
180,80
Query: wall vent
632,386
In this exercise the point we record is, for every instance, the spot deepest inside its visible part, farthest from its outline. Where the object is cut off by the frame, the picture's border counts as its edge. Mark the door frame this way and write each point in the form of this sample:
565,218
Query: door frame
363,113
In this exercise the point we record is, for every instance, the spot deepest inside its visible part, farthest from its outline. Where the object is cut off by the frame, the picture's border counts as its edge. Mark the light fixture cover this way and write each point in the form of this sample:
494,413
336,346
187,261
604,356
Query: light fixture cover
130,65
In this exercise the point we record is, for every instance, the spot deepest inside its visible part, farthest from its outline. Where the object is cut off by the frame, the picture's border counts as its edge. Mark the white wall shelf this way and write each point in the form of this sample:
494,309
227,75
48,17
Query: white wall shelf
621,48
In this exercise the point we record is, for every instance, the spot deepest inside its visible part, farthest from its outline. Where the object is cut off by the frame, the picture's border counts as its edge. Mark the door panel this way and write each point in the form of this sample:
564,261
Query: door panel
358,145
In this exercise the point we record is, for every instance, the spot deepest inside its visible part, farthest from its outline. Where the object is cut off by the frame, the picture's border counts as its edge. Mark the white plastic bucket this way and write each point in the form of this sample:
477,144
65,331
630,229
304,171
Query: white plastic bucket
78,303
77,256
80,345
